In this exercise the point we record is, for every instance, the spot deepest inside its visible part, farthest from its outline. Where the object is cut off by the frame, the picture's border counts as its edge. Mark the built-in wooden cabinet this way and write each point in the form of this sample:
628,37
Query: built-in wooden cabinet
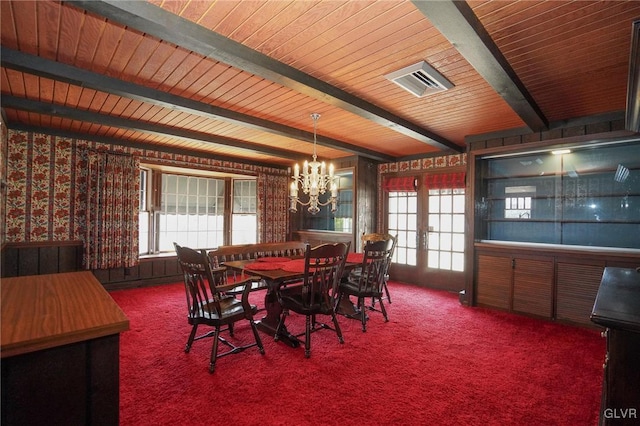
518,284
576,288
550,282
533,286
493,282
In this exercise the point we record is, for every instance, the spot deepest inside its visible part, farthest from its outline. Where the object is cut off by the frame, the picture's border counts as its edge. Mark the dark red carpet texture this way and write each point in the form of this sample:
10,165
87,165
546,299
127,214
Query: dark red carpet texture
435,363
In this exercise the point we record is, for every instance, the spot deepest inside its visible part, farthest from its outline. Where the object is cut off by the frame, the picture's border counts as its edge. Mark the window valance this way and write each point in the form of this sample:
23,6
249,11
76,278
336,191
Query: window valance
445,180
400,183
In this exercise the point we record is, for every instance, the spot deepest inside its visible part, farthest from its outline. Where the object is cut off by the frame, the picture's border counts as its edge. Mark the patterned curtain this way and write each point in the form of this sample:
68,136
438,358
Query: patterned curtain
273,208
111,236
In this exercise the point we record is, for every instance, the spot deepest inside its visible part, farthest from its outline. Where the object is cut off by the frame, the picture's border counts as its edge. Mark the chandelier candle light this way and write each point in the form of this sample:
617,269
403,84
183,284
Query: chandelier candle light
314,181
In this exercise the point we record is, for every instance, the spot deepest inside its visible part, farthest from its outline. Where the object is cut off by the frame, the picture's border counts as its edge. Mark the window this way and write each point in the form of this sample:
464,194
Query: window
244,221
403,221
194,210
446,229
191,212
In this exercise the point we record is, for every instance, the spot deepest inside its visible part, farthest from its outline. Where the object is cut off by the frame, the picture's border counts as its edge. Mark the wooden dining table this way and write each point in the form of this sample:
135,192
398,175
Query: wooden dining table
276,272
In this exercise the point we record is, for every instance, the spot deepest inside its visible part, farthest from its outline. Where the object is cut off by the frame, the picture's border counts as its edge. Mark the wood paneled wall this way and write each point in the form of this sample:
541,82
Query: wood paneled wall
44,257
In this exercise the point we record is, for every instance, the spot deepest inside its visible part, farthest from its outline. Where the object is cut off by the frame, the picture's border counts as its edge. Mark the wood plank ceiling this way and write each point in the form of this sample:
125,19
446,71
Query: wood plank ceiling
239,79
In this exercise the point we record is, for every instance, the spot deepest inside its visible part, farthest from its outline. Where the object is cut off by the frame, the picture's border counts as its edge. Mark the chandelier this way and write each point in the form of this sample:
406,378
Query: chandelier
314,181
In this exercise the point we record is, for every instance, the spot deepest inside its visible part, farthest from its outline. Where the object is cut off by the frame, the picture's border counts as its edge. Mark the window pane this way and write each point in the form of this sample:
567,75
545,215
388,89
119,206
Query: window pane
458,203
446,203
244,229
445,260
457,262
433,258
445,223
412,257
457,242
393,221
188,214
434,204
434,222
445,241
458,223
434,241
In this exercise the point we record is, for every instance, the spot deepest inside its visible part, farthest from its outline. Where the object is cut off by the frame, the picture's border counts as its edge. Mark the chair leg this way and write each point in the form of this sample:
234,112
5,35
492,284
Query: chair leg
214,351
284,314
192,336
257,336
336,325
231,329
386,290
307,337
363,314
384,311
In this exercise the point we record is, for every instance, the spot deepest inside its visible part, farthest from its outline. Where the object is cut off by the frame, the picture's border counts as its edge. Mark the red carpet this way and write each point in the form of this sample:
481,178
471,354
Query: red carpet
435,363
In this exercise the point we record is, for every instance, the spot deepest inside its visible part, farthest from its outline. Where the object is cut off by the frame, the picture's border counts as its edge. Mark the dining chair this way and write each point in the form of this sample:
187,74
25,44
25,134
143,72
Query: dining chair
382,237
316,294
209,304
236,252
369,281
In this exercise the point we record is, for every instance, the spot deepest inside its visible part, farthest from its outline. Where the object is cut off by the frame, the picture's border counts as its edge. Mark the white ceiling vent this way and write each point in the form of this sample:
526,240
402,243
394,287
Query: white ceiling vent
420,79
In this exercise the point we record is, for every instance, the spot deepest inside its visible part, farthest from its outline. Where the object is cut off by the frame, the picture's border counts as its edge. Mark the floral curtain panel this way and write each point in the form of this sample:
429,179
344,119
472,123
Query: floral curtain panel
111,235
273,208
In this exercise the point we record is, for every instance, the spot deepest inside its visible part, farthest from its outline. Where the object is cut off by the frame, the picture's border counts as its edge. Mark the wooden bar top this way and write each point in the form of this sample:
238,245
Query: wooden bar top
45,311
617,303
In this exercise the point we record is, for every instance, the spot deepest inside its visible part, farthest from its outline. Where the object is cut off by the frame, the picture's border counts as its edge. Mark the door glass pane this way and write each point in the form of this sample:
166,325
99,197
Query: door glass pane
433,258
458,203
446,229
402,221
457,262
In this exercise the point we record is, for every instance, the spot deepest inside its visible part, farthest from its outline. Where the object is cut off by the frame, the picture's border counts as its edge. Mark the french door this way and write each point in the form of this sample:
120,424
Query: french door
430,226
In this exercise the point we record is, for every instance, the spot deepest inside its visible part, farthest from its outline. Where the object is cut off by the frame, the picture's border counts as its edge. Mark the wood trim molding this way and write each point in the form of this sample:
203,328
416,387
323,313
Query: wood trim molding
633,85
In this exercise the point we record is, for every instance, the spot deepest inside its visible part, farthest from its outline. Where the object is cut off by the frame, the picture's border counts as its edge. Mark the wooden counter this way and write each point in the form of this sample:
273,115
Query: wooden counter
60,350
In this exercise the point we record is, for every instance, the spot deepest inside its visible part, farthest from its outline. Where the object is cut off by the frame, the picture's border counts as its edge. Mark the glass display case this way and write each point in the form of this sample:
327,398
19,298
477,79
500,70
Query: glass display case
580,196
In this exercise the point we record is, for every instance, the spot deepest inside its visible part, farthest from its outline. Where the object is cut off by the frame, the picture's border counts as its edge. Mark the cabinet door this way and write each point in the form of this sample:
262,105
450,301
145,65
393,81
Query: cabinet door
494,281
577,286
533,287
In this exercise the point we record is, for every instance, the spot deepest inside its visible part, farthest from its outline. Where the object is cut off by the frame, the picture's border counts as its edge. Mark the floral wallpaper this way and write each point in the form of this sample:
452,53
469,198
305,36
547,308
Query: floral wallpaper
44,203
3,178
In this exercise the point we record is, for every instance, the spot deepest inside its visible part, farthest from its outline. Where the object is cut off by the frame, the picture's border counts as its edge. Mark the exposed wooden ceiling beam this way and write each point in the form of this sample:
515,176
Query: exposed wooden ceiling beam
58,71
140,126
457,22
153,20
